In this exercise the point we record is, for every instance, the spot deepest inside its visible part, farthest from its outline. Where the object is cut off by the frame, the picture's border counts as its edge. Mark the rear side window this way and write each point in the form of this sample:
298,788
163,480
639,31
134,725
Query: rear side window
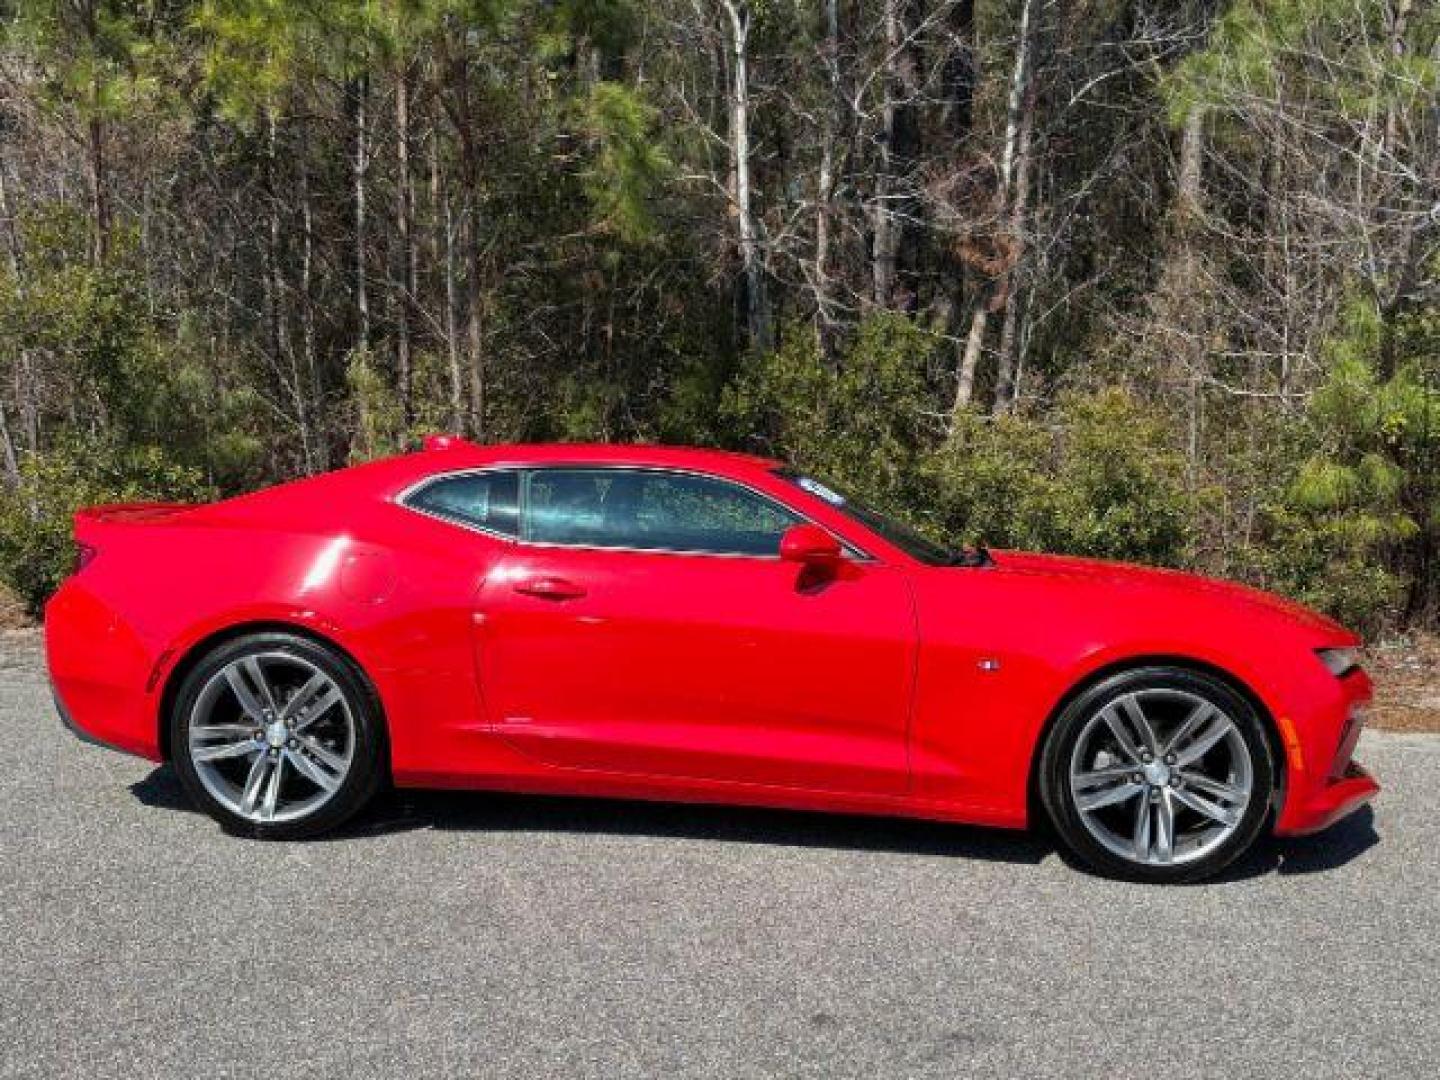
486,500
652,511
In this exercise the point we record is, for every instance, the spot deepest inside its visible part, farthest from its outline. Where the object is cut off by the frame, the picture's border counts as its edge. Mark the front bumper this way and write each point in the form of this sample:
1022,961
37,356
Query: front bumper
1336,799
1323,782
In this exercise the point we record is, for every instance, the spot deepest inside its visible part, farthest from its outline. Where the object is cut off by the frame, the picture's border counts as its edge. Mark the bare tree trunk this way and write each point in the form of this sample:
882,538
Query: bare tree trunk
444,243
979,320
307,302
12,247
825,187
12,463
404,228
459,106
897,124
360,166
1010,288
1192,147
99,192
280,347
882,243
757,315
1399,25
474,313
95,163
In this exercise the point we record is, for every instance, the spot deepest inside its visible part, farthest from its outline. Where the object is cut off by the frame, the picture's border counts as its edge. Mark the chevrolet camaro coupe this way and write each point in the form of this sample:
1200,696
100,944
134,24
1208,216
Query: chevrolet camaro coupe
679,624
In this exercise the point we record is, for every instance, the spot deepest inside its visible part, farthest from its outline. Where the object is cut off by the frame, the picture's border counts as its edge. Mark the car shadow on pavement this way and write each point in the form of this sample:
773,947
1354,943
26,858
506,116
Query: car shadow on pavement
398,811
480,811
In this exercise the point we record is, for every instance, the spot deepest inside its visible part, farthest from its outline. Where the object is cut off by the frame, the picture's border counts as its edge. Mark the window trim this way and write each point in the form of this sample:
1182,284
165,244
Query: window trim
852,551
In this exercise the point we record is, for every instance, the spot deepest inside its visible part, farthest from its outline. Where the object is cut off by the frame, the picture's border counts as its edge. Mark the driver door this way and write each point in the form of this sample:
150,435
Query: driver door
645,625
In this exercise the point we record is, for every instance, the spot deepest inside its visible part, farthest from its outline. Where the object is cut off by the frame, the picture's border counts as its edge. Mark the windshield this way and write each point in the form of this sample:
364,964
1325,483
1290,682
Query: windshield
903,536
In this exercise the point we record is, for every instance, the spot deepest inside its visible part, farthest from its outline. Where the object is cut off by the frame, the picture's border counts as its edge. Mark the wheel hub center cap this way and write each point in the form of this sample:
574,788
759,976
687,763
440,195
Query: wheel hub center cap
1157,773
276,733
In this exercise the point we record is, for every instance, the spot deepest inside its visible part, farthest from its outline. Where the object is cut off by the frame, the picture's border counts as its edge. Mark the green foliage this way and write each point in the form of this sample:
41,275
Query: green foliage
145,418
1100,476
36,548
104,60
553,223
1321,50
630,167
1339,534
863,422
96,337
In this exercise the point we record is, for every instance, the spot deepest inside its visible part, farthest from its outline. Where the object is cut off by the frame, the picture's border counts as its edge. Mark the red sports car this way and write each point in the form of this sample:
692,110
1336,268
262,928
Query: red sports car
663,623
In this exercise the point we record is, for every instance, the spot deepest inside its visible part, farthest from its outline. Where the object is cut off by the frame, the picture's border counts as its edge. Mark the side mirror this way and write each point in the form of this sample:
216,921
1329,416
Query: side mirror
810,545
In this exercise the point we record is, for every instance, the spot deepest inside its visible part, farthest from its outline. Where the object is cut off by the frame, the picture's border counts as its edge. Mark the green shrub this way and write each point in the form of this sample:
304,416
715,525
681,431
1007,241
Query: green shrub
863,422
36,546
1100,476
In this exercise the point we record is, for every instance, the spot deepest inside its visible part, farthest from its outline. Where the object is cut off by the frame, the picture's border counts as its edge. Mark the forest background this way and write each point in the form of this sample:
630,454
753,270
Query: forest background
1145,280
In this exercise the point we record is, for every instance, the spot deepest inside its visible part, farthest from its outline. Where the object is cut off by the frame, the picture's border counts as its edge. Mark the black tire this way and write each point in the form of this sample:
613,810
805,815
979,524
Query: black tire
1058,797
367,760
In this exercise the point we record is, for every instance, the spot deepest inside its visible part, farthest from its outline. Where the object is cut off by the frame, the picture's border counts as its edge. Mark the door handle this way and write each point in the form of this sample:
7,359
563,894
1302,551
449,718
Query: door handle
550,588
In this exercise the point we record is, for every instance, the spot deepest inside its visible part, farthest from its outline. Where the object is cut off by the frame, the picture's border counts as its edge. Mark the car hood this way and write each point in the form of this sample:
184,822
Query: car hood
1112,575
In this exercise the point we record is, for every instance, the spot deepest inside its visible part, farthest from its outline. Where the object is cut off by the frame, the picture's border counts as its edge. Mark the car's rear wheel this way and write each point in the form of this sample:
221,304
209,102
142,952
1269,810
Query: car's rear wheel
277,736
1158,774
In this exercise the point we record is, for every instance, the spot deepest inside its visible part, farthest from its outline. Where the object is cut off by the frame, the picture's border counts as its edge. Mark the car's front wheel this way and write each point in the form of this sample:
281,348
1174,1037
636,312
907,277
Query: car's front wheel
277,736
1158,774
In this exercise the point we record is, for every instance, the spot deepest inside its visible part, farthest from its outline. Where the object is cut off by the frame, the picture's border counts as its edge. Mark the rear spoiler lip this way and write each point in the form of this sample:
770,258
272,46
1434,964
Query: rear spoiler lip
131,513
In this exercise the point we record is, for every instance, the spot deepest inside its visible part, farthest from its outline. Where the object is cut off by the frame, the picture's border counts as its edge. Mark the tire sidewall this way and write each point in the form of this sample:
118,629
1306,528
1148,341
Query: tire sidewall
367,761
1055,772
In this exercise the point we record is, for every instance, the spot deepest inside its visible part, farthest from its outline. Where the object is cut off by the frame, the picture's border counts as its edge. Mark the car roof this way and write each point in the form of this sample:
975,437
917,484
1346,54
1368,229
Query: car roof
388,477
458,454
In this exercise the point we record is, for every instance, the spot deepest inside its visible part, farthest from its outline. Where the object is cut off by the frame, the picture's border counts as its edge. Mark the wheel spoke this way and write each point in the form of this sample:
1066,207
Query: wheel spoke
1229,792
247,681
1117,793
310,769
252,667
1133,710
1127,744
1212,810
1100,777
272,789
224,751
254,783
1164,828
327,757
314,699
1140,839
1202,741
205,732
1198,715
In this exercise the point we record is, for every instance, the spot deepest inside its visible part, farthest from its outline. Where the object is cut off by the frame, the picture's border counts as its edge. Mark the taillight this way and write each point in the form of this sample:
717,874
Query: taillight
84,555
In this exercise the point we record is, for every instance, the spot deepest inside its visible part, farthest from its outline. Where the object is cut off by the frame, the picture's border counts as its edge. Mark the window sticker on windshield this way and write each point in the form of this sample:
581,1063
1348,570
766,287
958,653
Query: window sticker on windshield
820,491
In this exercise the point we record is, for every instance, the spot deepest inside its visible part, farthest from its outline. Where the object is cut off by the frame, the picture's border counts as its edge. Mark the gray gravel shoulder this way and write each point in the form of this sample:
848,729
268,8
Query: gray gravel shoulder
498,936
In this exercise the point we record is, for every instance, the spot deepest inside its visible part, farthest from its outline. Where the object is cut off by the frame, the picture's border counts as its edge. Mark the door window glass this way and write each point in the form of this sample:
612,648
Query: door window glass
652,510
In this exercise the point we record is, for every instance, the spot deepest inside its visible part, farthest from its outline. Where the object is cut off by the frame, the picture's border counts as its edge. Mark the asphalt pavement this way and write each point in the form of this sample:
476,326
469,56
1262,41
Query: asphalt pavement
500,936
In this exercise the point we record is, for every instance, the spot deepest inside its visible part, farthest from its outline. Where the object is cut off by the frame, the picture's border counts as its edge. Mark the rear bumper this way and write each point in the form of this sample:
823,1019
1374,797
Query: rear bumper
99,674
74,728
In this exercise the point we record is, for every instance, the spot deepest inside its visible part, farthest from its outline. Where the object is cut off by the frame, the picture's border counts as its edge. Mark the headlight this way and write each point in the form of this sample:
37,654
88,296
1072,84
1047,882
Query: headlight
1339,661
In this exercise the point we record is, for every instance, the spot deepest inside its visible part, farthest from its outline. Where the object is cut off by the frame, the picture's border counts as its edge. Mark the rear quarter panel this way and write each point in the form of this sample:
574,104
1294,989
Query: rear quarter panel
392,589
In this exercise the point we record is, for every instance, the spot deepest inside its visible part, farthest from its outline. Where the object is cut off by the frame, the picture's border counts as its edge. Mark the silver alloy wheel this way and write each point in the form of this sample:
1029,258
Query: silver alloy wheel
271,737
1161,777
